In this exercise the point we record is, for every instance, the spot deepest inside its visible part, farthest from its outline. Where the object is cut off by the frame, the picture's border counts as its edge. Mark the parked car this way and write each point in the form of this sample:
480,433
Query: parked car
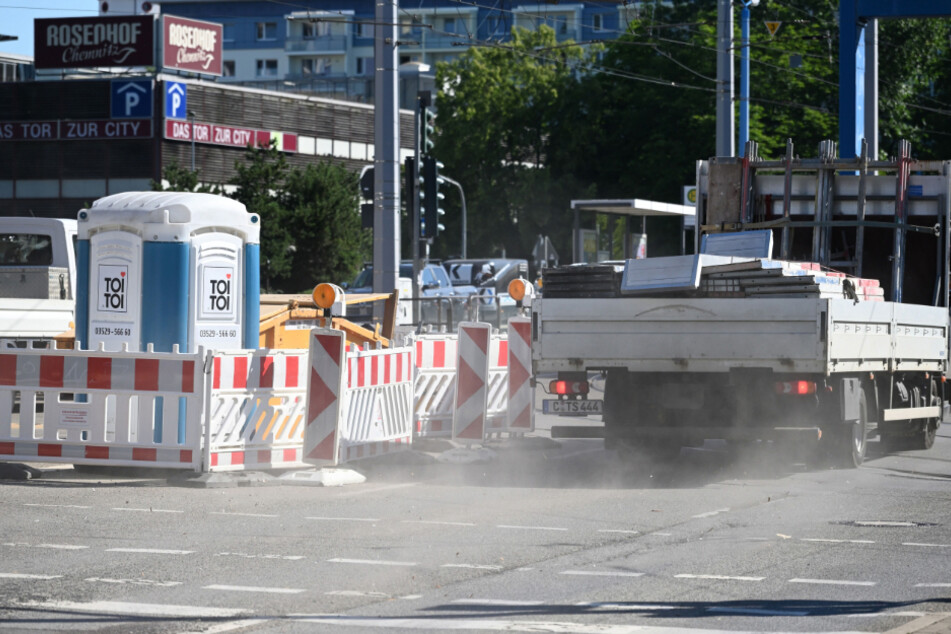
490,277
433,283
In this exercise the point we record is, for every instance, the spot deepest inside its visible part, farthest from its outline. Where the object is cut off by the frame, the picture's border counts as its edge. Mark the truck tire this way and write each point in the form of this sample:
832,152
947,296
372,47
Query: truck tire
849,441
916,435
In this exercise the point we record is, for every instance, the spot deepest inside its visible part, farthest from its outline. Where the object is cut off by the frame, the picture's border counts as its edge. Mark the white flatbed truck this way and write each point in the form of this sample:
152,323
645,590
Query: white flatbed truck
753,362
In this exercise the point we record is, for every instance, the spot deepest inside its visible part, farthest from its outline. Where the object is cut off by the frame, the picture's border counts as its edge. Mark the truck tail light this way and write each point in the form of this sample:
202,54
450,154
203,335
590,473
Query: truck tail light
563,388
796,388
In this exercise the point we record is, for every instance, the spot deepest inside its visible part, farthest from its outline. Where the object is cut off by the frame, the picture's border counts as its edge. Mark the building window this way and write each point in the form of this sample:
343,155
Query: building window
267,68
266,31
227,32
364,29
227,68
597,22
365,66
308,30
449,25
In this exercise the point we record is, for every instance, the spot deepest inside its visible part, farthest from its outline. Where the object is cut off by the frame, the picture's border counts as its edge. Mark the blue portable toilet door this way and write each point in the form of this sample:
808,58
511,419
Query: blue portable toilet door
115,289
217,304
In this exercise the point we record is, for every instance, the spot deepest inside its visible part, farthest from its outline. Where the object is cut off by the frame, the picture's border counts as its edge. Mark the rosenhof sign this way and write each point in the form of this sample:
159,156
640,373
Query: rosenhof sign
191,45
94,42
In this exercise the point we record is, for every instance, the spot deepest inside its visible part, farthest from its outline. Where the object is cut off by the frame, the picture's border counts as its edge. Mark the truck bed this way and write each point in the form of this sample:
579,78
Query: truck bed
682,334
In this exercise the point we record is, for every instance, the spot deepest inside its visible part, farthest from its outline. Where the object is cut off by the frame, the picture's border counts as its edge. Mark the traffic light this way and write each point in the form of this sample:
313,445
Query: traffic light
427,126
431,198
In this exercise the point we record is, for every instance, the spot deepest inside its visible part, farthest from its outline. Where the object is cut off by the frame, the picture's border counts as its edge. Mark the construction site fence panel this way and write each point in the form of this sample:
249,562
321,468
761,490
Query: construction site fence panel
101,408
256,409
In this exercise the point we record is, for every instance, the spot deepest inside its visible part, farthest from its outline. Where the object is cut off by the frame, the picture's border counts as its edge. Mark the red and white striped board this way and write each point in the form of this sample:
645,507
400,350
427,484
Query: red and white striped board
246,370
472,371
497,386
436,352
325,391
379,403
95,408
241,459
521,406
87,371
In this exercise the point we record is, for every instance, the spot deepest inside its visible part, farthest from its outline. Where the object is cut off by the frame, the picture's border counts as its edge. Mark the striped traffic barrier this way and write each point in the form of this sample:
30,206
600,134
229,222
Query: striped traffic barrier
325,389
256,409
470,401
520,411
378,403
98,408
435,369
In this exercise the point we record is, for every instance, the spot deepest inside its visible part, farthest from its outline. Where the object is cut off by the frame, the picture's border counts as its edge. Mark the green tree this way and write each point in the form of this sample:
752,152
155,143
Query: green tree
497,110
310,220
181,179
321,208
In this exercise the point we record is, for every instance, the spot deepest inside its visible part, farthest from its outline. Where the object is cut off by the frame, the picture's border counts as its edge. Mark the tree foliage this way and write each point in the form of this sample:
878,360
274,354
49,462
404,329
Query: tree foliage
310,220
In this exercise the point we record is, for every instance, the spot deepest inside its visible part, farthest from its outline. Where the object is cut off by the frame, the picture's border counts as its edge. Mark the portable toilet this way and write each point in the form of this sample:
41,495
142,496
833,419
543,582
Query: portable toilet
167,268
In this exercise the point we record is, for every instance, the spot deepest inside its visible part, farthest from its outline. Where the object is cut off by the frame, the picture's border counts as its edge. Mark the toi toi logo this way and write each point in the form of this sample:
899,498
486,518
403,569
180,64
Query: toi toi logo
113,288
219,295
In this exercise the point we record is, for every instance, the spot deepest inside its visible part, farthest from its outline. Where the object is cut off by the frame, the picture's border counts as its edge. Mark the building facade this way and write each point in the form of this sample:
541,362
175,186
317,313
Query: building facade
326,46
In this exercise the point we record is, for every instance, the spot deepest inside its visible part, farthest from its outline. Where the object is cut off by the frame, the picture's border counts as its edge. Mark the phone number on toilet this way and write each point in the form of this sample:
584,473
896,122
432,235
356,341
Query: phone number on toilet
212,334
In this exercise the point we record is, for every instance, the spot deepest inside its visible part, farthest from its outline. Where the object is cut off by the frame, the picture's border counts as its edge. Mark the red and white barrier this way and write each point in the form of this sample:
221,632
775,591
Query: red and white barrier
325,389
471,393
256,408
98,408
378,410
434,386
520,409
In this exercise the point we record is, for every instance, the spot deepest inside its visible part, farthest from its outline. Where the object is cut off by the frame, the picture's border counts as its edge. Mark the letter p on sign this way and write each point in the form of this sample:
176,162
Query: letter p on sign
131,99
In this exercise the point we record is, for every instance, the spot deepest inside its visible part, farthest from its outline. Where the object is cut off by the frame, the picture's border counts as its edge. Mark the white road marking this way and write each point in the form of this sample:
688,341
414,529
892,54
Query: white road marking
350,492
885,524
933,585
833,582
505,602
664,534
489,625
718,577
51,546
438,523
373,562
135,582
254,589
525,569
58,506
138,609
926,545
229,626
243,514
601,573
16,575
758,611
710,513
532,528
472,566
250,556
135,510
870,615
357,593
344,519
150,551
411,597
617,530
624,606
837,541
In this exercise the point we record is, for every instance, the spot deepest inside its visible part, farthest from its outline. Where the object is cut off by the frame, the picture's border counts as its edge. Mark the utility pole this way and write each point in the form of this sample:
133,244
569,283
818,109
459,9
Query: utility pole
386,161
725,78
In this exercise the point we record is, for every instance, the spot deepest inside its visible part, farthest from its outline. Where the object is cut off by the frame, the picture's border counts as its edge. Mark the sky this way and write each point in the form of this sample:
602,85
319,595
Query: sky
16,18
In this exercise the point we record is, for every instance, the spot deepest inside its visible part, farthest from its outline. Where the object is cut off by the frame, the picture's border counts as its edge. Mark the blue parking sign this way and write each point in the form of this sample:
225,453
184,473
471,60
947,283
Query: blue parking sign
176,100
131,98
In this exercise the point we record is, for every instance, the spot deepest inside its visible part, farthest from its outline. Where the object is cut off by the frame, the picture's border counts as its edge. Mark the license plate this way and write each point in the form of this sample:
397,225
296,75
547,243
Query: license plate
572,408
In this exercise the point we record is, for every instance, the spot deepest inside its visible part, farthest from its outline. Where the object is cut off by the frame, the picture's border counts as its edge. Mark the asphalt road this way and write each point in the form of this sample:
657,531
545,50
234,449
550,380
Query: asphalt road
546,537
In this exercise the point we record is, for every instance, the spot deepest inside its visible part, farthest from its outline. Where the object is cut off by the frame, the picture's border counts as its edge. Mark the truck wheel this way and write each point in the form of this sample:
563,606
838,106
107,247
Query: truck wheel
924,436
849,441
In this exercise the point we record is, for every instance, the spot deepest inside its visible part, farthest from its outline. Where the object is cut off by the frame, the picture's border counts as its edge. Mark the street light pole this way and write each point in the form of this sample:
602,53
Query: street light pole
745,76
462,195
